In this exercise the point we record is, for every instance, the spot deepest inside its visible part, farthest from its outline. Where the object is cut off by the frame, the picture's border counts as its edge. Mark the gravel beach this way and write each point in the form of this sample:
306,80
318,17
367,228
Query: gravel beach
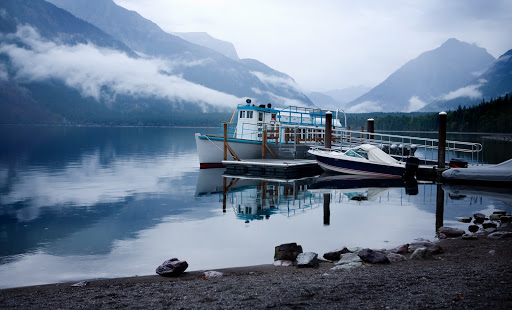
471,274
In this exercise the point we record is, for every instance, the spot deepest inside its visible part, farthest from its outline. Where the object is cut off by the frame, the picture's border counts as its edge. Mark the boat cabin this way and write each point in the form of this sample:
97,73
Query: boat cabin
282,124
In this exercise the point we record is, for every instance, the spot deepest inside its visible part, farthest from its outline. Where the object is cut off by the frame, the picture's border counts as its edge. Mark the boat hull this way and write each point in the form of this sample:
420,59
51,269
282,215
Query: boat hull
211,150
341,165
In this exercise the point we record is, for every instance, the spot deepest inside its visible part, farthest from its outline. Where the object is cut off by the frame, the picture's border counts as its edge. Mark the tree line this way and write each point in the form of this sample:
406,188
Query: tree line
489,116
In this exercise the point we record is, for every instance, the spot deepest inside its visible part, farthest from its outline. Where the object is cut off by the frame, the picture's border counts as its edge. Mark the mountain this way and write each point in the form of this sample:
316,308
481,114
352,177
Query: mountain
493,83
206,40
324,101
192,62
423,79
337,98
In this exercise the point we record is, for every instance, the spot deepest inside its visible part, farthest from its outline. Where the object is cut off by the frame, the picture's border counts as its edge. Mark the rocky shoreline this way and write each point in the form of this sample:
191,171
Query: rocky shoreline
456,272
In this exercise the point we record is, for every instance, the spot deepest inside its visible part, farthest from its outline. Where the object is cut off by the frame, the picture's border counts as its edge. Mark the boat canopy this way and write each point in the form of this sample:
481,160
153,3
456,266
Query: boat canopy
372,153
495,173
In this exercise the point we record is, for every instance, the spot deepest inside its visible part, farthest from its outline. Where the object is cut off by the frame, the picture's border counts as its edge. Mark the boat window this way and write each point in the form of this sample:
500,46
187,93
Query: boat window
242,114
273,117
260,116
357,153
362,152
249,114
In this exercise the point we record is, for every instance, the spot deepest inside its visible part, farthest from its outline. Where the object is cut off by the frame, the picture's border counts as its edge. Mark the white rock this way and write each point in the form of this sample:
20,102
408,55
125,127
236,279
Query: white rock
212,274
283,263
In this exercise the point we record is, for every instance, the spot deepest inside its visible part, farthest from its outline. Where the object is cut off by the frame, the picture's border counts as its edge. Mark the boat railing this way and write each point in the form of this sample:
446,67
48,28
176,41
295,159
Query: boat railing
403,146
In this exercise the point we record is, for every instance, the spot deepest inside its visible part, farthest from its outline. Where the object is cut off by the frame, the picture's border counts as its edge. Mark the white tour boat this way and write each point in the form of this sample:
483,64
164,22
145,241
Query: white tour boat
254,130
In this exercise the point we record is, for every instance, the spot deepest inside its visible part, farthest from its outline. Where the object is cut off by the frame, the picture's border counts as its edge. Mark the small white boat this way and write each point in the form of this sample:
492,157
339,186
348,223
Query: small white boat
364,159
500,174
291,131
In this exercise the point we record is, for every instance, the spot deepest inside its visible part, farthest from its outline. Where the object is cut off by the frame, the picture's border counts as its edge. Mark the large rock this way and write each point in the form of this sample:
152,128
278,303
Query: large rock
348,261
395,257
421,254
465,219
402,249
479,216
432,247
308,259
506,218
500,235
495,217
486,225
172,267
473,228
451,231
373,257
336,254
349,258
287,251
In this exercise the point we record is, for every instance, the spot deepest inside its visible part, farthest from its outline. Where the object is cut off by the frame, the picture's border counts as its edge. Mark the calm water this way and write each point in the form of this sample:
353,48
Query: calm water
83,203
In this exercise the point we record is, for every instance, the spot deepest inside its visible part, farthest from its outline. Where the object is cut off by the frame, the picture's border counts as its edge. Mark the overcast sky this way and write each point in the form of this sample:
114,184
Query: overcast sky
333,44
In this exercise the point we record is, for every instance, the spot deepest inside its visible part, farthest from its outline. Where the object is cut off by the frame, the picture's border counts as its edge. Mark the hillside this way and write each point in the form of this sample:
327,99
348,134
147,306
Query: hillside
495,82
197,64
421,80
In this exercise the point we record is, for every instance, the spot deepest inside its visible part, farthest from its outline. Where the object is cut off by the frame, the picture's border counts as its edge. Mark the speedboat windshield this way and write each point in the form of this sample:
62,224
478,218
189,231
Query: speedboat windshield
357,152
371,153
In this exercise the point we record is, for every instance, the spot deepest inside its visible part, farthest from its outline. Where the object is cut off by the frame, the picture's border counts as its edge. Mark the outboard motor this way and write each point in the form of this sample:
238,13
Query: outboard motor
384,148
393,149
411,167
458,163
414,147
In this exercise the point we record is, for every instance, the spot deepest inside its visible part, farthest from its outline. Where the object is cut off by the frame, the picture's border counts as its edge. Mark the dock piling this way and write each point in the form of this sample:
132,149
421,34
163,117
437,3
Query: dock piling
370,124
441,149
328,130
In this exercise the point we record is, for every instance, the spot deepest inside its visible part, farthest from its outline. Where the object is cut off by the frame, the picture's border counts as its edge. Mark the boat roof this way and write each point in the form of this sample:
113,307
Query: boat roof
373,153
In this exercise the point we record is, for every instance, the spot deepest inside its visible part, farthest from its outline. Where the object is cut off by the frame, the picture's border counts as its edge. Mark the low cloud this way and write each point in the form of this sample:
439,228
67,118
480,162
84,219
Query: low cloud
91,69
415,103
93,182
4,75
276,81
365,106
470,91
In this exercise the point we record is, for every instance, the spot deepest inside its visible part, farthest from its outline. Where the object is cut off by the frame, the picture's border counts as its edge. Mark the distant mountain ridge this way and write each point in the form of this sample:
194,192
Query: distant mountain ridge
494,82
204,39
195,63
72,71
423,79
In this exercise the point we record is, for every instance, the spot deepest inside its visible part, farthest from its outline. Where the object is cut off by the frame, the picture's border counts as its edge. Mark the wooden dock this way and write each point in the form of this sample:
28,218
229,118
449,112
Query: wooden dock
296,168
280,168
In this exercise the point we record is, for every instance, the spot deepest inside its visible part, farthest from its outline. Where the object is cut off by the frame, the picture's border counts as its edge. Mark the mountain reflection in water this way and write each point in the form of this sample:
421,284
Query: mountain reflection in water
79,203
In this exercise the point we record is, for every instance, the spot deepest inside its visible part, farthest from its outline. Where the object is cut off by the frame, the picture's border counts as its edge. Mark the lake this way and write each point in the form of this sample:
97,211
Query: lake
94,202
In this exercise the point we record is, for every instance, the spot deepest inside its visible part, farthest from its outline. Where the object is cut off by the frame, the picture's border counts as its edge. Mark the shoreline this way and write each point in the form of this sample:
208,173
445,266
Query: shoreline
473,274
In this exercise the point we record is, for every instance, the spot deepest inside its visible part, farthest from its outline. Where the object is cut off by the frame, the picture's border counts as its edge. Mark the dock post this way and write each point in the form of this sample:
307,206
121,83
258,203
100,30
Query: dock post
370,124
327,208
225,141
441,147
224,194
328,130
439,207
264,142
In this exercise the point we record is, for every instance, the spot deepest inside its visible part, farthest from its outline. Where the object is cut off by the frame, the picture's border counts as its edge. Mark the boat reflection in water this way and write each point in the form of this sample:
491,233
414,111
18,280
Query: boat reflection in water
255,198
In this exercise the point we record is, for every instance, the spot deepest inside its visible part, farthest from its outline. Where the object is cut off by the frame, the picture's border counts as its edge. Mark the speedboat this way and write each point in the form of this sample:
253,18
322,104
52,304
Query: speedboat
364,159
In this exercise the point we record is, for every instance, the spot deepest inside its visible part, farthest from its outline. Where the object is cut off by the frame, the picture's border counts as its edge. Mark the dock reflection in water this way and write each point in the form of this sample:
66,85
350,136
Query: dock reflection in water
358,210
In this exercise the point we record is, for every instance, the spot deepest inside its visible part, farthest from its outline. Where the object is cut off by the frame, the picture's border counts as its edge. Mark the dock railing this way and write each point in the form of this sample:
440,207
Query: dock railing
399,146
402,146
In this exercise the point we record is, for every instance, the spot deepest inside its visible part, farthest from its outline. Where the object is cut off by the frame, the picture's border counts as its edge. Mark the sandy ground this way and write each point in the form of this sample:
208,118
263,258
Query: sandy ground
472,274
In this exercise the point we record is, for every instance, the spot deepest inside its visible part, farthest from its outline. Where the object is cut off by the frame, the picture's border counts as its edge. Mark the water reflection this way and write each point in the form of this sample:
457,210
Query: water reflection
80,203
